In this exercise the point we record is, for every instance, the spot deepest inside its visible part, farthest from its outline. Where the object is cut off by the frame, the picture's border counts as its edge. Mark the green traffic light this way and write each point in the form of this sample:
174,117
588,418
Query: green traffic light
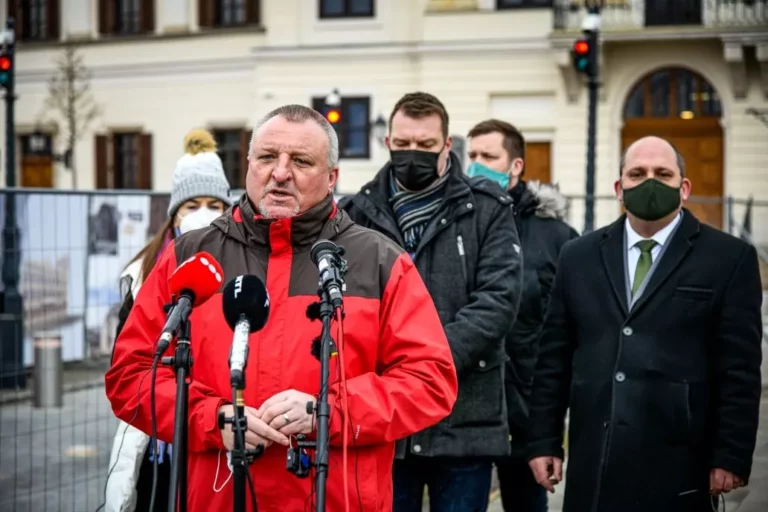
582,64
4,77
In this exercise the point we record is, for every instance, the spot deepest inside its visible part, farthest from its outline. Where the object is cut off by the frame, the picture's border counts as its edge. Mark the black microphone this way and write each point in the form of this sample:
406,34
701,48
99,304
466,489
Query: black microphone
246,308
326,255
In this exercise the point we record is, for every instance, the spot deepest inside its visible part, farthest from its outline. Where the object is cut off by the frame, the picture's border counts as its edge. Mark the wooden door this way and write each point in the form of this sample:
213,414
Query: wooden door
37,171
36,161
538,162
700,142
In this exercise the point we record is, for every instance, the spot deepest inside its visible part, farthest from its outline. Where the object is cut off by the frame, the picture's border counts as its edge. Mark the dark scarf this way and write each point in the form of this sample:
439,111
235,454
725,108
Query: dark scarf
517,191
414,210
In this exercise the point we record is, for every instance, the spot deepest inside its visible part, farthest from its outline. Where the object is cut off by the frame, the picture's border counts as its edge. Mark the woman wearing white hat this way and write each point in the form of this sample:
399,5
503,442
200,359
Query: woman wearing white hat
200,194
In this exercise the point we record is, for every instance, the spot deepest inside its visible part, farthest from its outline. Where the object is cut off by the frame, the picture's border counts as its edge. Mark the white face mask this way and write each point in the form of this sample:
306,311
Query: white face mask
200,218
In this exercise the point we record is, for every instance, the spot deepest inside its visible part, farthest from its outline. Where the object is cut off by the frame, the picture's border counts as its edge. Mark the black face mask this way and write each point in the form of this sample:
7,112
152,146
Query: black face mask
415,170
651,200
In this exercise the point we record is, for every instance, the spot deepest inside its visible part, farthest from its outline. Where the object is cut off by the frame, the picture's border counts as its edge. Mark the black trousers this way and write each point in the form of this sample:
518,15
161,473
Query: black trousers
519,490
144,485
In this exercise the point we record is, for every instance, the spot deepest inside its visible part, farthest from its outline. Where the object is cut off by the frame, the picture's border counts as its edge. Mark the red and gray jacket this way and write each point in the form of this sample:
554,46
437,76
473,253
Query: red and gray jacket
400,373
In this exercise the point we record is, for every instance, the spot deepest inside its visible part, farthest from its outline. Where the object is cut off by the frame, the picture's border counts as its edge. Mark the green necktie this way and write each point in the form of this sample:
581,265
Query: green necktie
643,264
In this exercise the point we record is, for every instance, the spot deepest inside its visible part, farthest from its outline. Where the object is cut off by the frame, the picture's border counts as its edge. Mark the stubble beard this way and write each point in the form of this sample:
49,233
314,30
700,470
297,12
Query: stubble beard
267,212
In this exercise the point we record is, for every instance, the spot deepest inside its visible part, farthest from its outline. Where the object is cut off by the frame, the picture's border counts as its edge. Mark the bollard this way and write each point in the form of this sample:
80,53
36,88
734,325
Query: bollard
48,374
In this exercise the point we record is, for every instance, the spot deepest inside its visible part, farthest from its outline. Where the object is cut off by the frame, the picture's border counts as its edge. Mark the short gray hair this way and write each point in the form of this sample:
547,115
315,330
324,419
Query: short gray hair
678,158
300,114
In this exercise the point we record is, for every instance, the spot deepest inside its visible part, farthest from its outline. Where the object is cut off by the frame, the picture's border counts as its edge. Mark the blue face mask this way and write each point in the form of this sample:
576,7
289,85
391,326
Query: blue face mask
478,169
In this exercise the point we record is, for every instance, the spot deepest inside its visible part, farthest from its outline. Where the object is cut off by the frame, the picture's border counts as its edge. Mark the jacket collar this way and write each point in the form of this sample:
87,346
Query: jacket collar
613,255
296,233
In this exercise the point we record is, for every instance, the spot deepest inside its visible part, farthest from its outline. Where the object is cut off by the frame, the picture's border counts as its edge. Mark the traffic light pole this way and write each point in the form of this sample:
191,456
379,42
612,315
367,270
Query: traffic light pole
12,373
593,84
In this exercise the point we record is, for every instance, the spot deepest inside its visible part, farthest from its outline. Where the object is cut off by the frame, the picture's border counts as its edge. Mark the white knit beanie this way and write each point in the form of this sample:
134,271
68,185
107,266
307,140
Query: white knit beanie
199,173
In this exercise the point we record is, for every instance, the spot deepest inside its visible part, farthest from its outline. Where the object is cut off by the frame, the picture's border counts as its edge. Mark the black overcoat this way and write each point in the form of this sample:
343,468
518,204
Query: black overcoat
658,394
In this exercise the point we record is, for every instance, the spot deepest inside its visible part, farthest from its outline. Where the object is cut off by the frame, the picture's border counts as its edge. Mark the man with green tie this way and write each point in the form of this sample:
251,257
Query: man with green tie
652,339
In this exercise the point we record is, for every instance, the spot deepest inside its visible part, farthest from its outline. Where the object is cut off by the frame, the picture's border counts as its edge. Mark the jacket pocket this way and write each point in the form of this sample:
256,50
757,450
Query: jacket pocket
694,293
481,396
656,410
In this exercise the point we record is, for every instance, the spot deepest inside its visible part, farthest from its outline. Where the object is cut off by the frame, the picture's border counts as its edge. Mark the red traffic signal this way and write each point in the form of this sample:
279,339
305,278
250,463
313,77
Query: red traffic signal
5,71
582,56
581,47
333,116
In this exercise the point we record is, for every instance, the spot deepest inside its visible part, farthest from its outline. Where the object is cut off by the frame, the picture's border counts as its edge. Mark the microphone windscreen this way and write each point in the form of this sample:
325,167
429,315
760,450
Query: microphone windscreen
201,274
246,295
320,247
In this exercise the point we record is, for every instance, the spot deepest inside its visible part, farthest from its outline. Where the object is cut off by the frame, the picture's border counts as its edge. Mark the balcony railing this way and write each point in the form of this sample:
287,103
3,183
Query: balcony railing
618,15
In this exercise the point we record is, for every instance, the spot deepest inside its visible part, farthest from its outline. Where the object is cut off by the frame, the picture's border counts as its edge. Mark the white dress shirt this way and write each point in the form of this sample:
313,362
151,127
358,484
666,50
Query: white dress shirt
633,252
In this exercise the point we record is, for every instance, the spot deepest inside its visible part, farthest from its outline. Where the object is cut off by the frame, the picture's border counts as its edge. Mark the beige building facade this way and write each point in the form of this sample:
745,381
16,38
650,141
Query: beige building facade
695,73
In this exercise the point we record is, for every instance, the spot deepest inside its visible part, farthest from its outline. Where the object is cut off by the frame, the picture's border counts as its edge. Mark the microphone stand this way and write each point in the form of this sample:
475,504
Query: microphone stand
323,348
323,408
181,361
240,457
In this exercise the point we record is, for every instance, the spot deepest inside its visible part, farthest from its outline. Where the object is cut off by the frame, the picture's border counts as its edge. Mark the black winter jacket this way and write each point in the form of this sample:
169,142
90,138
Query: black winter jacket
469,258
543,232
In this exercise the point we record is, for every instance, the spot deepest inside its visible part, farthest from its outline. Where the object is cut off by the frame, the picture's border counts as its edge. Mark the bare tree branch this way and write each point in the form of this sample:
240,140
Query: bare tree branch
70,103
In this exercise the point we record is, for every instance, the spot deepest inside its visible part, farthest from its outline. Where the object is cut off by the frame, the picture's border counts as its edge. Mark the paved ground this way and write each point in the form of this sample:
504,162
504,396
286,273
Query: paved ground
753,498
56,459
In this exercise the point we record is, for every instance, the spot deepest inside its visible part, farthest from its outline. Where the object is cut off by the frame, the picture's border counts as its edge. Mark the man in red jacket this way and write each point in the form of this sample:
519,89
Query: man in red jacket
399,369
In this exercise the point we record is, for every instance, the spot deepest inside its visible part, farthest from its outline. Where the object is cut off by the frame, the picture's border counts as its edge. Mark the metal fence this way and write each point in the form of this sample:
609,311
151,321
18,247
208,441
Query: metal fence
73,248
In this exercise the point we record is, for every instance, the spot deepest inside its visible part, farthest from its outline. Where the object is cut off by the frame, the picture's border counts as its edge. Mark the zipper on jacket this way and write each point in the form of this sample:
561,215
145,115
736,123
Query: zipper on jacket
460,246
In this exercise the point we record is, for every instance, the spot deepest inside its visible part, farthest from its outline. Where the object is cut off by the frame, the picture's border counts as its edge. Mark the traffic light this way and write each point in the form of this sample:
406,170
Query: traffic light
333,116
583,56
6,69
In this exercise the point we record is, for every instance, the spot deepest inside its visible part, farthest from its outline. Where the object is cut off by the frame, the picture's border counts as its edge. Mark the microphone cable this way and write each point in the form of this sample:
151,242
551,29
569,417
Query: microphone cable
346,417
153,439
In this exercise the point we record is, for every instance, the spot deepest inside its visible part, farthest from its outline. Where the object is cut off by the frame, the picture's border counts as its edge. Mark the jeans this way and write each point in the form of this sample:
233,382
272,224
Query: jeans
454,485
519,490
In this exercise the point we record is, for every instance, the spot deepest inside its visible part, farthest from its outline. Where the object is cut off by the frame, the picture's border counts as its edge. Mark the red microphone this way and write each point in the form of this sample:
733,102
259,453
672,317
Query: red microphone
192,283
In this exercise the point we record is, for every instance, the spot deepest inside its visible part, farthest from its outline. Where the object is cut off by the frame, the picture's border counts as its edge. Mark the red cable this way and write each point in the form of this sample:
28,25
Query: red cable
345,407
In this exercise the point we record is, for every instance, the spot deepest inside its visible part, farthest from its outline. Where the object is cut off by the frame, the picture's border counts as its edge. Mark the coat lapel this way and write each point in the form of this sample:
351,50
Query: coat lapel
613,258
679,247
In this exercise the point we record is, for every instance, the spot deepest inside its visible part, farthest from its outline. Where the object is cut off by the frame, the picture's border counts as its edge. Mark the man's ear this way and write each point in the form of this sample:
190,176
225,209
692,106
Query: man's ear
333,179
386,143
518,165
618,191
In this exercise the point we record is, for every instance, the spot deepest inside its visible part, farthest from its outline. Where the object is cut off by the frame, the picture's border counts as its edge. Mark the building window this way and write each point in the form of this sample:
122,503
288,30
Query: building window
124,161
673,92
126,17
36,20
229,13
353,127
233,151
329,9
514,4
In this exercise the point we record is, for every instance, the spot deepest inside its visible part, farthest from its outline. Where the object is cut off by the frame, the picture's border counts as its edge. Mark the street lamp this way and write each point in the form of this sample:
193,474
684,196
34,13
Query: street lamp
379,129
333,99
40,145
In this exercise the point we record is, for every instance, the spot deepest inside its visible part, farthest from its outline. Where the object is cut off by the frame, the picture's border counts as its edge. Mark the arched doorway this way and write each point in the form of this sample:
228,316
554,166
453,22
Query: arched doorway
682,106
